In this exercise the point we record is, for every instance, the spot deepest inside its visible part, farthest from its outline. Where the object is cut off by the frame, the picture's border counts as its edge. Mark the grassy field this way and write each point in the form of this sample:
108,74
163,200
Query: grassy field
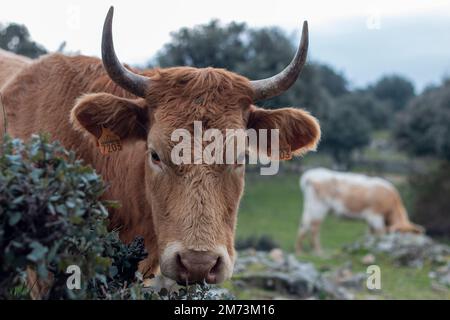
272,205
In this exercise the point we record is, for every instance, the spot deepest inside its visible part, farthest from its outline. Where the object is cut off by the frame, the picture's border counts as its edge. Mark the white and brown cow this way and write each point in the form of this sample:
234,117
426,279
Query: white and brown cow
351,195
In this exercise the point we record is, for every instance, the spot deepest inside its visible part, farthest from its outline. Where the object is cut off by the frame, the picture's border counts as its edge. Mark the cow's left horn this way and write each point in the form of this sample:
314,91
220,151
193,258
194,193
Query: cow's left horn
128,80
276,85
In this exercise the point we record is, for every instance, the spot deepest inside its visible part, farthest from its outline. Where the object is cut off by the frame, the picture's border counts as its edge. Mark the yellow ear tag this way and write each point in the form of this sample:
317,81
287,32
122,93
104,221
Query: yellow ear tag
109,142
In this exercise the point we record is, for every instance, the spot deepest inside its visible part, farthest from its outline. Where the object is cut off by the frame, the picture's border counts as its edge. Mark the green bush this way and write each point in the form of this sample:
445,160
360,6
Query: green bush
261,243
431,205
51,217
423,128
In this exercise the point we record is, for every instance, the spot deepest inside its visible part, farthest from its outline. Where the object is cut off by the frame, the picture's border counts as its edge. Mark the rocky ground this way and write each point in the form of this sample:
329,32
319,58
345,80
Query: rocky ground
280,275
289,277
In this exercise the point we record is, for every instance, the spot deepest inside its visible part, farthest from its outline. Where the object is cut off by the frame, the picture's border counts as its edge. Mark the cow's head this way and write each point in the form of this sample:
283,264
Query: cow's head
194,207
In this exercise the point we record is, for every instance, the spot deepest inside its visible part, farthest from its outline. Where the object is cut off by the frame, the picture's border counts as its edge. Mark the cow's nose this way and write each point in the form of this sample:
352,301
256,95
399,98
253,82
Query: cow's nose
198,266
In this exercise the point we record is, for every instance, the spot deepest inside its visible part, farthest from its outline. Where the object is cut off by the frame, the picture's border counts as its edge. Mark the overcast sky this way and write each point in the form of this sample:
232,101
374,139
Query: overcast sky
362,39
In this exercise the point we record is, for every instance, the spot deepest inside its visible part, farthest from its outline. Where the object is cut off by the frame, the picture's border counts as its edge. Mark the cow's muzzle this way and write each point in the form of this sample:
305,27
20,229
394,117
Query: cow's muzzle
187,266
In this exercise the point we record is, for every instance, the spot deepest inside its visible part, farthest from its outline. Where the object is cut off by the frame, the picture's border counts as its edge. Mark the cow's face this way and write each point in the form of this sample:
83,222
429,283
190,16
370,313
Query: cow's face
194,206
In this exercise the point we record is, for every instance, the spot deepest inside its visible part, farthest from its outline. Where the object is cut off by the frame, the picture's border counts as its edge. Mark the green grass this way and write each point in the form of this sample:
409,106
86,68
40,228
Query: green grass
272,205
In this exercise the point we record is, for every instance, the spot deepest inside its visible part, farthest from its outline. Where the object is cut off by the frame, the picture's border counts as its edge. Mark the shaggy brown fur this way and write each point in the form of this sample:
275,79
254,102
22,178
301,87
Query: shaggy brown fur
10,65
72,98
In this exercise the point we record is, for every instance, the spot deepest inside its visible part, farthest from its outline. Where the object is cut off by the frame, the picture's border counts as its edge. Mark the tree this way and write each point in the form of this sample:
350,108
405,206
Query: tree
423,128
256,54
395,89
16,38
344,131
261,53
335,83
208,45
377,113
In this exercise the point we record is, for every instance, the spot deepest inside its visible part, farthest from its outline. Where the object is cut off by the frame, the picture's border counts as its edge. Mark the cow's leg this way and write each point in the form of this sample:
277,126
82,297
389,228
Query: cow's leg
149,267
376,223
314,211
302,233
315,233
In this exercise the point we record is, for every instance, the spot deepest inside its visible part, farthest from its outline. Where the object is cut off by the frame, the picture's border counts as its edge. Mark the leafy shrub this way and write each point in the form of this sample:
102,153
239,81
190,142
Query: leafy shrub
261,243
344,130
51,217
431,206
423,127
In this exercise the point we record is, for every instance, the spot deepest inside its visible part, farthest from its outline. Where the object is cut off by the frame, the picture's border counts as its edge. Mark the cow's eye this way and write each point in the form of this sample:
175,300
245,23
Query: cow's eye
155,157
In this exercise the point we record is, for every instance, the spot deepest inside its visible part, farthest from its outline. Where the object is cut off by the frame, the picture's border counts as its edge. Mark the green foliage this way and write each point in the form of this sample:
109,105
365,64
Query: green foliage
377,113
16,38
261,243
344,129
423,127
207,45
254,53
431,206
51,217
394,89
261,53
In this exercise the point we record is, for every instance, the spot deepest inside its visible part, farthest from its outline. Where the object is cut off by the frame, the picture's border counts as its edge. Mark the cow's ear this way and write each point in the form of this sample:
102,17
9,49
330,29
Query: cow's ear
126,118
299,132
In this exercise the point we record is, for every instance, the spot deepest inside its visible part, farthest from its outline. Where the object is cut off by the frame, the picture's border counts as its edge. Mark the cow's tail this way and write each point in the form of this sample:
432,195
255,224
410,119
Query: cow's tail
400,222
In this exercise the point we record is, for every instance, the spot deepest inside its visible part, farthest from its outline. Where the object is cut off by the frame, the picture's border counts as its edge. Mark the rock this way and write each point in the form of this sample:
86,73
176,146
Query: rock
286,275
441,275
277,255
160,282
368,259
411,250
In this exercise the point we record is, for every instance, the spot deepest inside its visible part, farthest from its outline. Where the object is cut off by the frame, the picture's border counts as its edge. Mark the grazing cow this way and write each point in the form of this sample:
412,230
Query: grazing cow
372,199
185,213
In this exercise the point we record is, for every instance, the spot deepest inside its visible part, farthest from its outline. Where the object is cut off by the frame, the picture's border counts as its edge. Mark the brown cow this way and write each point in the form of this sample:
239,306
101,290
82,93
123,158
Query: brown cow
186,213
10,65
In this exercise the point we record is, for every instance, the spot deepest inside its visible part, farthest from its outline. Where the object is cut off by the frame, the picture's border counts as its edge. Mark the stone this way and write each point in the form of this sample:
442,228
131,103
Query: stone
277,255
368,259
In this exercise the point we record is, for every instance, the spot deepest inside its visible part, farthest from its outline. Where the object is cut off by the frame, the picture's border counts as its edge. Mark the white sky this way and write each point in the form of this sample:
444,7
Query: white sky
363,39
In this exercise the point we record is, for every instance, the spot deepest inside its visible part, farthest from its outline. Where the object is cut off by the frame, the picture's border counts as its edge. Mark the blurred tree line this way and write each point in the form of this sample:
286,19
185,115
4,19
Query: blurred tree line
347,117
16,38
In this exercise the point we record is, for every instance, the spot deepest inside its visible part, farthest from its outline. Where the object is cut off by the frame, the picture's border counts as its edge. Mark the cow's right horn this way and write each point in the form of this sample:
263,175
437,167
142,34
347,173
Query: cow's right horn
128,80
279,83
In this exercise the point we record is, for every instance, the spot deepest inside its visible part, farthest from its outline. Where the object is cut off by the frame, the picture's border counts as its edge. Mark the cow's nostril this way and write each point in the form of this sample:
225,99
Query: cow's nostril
198,266
181,267
215,271
216,268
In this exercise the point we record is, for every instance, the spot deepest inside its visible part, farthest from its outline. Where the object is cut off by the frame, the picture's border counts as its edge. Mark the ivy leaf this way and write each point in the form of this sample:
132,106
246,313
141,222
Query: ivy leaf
38,252
14,218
